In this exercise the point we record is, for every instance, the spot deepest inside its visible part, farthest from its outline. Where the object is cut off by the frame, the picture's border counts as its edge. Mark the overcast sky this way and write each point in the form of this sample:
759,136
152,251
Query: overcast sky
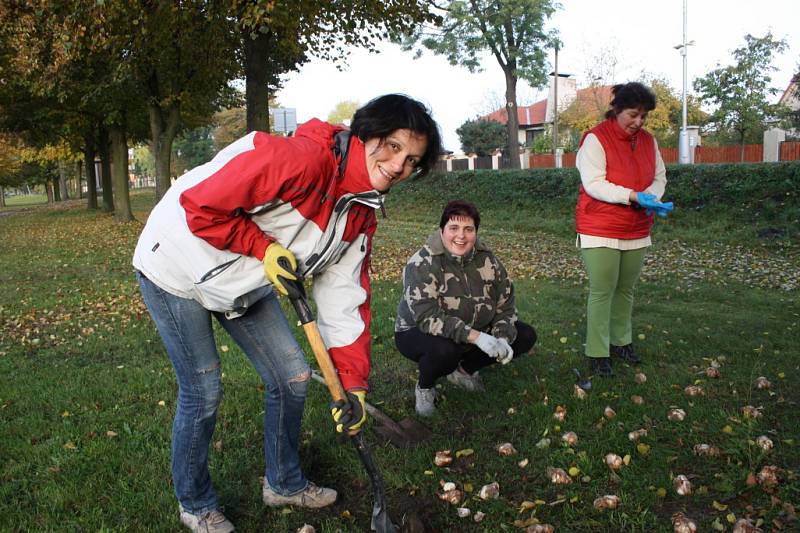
640,34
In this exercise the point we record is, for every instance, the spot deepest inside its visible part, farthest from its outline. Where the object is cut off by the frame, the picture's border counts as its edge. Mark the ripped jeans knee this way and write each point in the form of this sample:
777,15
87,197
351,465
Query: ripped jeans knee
208,390
298,384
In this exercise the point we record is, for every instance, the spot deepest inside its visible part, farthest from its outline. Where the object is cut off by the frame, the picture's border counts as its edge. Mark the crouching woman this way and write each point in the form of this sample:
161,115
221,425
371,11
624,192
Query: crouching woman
457,312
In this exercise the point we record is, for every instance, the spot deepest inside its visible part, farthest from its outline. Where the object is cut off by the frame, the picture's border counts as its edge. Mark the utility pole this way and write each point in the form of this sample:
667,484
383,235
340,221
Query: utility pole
555,104
683,138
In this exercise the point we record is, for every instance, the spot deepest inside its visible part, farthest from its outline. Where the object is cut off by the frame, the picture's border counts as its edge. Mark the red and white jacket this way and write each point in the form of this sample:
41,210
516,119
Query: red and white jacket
207,236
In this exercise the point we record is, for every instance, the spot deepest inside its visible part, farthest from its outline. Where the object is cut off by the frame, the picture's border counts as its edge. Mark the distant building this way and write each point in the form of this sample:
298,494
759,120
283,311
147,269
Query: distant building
536,119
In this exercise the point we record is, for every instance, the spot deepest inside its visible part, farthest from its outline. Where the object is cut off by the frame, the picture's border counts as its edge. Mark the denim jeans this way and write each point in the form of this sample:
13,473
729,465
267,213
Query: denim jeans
264,335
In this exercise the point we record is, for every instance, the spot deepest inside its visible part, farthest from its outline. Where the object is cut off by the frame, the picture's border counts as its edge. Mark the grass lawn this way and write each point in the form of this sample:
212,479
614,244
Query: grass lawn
20,200
88,395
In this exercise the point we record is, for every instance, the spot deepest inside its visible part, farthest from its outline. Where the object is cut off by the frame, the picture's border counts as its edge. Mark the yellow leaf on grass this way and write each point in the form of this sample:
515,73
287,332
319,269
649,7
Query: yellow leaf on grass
731,518
719,506
69,445
468,487
574,471
465,452
727,429
661,492
526,505
428,472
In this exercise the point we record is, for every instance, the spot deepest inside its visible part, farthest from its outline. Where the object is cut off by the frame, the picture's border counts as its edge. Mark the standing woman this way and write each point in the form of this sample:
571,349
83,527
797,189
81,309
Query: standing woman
622,181
216,246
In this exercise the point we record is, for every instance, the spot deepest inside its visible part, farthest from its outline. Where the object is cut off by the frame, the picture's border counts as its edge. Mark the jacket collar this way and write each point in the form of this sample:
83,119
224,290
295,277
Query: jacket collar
356,177
436,246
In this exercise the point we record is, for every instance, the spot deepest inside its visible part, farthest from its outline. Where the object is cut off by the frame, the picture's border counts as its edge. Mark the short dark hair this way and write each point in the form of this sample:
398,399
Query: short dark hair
631,95
379,117
460,208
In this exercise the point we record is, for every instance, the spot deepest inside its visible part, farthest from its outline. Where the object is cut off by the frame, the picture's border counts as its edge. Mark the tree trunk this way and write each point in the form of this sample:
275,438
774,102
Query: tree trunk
105,171
512,125
119,174
256,86
48,187
62,181
163,127
91,176
2,196
56,190
79,170
741,148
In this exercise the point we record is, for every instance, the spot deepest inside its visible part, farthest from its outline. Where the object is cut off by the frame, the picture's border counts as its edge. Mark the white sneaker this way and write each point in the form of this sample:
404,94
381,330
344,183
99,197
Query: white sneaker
425,399
470,382
211,522
313,497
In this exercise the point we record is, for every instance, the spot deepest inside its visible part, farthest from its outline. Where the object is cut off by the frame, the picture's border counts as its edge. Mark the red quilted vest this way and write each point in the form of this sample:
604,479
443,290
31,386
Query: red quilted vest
630,162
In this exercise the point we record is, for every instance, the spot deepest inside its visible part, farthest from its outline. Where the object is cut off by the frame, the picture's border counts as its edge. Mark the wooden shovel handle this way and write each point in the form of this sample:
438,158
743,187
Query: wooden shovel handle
324,361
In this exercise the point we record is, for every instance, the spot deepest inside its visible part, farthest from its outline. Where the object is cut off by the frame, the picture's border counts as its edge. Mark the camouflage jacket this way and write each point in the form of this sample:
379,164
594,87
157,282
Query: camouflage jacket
447,295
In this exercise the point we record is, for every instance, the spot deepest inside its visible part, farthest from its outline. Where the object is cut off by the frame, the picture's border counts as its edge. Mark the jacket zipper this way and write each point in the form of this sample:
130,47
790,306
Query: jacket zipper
339,209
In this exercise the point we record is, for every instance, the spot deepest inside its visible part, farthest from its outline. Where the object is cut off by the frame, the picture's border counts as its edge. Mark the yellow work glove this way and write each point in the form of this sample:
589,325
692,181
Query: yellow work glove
274,272
350,417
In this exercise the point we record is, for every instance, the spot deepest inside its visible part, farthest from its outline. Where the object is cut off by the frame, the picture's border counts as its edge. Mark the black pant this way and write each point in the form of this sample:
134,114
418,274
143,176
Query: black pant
438,356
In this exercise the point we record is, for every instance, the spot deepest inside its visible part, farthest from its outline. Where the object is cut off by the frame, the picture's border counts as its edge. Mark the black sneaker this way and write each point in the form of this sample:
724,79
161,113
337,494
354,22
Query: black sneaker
601,366
625,353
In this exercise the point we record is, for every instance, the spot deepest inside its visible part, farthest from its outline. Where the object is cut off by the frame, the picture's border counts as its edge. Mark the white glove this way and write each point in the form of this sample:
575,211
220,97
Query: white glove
509,352
490,345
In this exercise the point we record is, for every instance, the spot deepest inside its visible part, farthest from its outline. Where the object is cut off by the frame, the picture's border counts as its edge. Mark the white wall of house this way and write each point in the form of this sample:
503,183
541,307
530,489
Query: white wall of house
567,92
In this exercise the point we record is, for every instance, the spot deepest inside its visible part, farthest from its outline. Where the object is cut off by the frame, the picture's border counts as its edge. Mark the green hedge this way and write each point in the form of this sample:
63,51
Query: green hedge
745,185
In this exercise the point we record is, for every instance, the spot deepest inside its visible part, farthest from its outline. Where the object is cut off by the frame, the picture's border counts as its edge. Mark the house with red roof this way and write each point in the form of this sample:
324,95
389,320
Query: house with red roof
537,119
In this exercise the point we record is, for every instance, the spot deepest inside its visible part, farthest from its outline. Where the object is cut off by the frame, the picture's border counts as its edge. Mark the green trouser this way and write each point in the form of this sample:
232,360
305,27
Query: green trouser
612,278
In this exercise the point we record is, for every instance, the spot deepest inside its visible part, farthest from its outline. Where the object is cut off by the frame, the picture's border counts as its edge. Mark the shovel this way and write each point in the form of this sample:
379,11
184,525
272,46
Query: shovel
381,523
402,434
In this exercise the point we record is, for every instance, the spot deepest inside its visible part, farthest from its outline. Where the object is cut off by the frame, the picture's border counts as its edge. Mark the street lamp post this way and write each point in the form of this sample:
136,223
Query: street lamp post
683,138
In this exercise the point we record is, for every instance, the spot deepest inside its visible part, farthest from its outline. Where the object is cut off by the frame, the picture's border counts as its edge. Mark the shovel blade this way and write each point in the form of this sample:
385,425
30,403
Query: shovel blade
405,433
381,523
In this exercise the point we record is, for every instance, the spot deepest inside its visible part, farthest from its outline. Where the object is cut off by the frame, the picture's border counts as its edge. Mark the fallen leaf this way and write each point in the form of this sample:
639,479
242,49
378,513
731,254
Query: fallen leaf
719,506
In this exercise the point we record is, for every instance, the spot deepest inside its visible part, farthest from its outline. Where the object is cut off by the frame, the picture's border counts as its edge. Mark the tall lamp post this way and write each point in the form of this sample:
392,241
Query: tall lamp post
683,138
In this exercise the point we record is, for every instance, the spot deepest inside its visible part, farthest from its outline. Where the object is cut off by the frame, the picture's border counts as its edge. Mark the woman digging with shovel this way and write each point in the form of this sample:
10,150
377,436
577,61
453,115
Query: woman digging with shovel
218,245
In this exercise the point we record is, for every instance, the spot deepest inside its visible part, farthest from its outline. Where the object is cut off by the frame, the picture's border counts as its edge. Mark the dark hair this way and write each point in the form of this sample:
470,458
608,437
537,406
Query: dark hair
632,95
385,114
460,208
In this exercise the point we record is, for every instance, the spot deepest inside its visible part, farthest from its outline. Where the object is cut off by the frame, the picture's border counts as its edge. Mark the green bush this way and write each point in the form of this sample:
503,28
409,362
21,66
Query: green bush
755,199
745,185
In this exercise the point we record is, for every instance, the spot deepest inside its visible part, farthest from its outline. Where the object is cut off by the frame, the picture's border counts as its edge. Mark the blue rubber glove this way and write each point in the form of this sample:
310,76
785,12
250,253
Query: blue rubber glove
651,204
664,209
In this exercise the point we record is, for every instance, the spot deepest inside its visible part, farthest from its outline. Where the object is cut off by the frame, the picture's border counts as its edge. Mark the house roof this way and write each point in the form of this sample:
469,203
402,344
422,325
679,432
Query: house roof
791,96
534,115
526,115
